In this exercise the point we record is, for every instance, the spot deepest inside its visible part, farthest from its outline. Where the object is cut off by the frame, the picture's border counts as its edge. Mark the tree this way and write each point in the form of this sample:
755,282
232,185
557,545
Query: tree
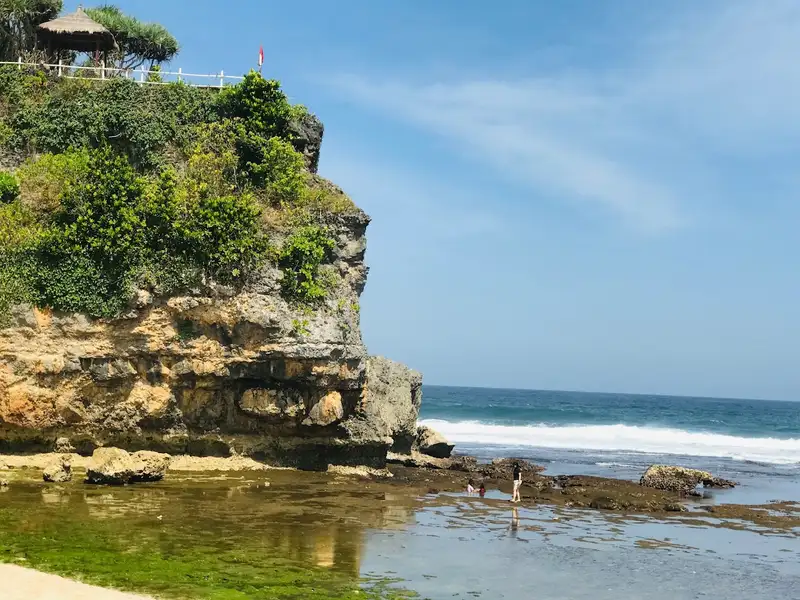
18,22
138,42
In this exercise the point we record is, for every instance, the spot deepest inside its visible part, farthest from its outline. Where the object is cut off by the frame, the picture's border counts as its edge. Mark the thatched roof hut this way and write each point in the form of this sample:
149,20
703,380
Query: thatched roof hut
76,32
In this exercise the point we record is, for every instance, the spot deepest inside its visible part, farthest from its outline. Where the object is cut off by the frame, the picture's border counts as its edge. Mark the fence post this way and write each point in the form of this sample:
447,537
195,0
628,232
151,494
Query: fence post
180,73
222,79
141,74
19,63
102,69
60,61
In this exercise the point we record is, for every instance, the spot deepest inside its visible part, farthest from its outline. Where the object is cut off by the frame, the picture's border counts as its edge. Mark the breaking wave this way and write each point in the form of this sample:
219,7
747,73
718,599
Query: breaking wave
623,438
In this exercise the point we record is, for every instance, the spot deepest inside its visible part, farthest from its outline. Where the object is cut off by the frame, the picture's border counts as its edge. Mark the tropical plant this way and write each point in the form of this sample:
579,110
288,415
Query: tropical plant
138,42
18,22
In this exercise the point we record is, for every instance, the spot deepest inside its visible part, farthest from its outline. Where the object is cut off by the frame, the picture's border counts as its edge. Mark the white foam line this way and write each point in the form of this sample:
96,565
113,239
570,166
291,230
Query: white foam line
649,440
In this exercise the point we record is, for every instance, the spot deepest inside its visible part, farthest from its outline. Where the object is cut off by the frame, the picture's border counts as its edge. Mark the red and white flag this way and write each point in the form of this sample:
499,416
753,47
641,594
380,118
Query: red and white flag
261,56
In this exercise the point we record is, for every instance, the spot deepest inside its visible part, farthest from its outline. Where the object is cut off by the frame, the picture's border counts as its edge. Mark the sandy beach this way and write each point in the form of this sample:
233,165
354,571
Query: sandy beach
26,584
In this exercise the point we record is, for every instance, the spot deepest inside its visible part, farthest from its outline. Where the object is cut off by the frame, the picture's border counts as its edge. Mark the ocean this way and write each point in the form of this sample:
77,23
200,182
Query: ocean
754,442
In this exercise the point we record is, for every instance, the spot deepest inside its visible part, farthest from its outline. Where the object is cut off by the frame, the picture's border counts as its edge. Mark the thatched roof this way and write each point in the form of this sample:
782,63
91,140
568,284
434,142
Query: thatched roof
77,31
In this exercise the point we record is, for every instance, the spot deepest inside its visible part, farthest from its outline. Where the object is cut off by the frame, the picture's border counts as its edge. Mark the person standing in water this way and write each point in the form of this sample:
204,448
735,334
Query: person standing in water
517,483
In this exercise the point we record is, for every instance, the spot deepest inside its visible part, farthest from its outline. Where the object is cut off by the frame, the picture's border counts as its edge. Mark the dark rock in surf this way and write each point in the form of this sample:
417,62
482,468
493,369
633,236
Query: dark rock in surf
681,479
433,443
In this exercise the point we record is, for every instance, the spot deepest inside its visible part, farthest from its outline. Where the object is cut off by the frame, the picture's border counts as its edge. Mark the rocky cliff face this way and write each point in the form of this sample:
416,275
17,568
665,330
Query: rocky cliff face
215,372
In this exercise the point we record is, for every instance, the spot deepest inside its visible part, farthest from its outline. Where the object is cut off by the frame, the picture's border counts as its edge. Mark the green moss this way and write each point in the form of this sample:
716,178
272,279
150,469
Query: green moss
203,549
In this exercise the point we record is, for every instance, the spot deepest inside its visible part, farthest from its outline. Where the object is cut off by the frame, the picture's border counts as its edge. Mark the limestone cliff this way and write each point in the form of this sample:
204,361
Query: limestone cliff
213,372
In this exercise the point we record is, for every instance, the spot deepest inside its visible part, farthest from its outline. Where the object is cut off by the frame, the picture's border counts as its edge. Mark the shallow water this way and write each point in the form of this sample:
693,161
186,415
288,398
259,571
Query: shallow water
507,553
229,534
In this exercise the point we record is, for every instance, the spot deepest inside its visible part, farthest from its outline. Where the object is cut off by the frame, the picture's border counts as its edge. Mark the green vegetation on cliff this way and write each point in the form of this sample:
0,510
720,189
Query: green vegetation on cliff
118,186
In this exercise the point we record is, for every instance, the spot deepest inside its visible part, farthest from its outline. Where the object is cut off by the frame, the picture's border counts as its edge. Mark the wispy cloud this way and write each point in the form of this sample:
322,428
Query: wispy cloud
432,208
640,138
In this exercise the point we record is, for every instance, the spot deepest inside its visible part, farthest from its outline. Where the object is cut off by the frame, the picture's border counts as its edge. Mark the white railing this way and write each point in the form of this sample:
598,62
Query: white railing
141,75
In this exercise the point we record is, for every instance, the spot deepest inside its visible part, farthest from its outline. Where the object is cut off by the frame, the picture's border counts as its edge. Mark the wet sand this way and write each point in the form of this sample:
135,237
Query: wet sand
26,584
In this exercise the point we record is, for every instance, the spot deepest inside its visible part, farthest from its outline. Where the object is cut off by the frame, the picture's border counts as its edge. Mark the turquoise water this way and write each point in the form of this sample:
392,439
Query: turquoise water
753,441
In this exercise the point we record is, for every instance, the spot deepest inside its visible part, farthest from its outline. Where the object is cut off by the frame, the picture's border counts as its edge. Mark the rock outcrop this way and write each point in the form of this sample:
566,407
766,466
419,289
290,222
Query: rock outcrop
215,372
433,443
389,405
112,466
58,471
681,479
308,131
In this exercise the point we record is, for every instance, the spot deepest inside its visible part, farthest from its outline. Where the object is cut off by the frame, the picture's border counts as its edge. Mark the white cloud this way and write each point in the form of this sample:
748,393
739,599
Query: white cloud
639,138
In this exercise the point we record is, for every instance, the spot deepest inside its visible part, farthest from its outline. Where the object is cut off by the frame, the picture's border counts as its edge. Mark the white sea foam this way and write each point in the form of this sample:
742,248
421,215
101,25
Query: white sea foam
625,438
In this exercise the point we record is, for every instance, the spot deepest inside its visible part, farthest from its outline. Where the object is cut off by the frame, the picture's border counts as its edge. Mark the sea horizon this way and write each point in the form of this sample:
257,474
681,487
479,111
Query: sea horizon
609,393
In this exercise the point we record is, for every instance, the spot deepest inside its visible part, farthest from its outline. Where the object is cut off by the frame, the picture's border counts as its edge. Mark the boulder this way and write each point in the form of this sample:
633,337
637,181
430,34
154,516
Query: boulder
113,466
149,466
503,468
58,470
433,443
110,466
680,479
3,482
63,445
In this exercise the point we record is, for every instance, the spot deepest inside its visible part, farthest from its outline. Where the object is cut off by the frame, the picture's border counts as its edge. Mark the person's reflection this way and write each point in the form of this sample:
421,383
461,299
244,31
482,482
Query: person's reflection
514,522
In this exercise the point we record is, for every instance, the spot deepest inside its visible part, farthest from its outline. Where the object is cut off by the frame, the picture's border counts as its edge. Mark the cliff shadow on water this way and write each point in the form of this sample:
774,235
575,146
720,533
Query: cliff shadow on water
175,276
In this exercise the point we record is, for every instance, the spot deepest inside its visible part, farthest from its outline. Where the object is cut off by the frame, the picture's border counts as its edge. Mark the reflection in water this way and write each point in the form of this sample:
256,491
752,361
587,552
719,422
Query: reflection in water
514,528
302,519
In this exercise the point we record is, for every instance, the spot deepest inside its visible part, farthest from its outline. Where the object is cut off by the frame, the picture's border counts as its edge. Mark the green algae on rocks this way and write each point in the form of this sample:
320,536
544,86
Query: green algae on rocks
228,539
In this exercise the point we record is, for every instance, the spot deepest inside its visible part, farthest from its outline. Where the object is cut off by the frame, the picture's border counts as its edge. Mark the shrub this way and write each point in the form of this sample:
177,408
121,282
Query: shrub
15,281
9,188
278,168
73,280
212,163
300,260
225,236
44,180
259,103
18,226
87,259
100,212
221,235
140,121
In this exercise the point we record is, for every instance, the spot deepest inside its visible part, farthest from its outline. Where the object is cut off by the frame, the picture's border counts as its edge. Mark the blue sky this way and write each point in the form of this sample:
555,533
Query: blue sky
571,195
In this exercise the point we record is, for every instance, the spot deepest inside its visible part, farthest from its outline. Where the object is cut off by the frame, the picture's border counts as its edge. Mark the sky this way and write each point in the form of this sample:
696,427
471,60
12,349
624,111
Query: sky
575,195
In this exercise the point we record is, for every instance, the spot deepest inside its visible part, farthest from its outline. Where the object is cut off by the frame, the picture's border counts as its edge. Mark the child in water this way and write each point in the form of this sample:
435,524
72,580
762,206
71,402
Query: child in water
482,490
470,487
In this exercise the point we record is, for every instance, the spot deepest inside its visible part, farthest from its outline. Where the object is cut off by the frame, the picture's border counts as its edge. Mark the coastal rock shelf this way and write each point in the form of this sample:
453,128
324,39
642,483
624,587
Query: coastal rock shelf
212,375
